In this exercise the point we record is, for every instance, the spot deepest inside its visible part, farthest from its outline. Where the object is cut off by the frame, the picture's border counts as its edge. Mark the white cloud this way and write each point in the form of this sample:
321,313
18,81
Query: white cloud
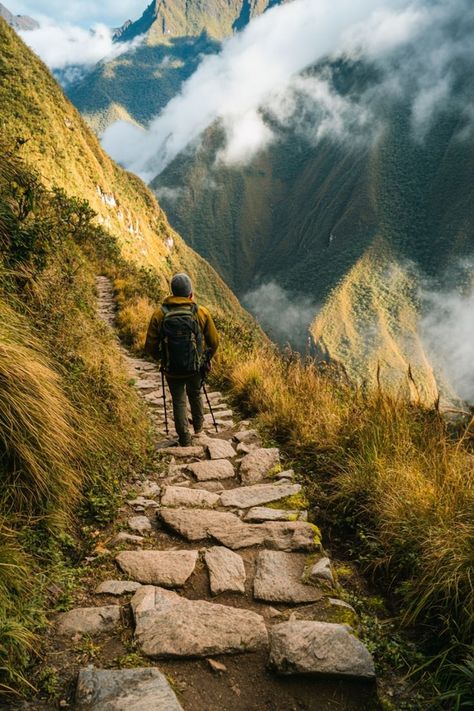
448,333
61,46
259,73
285,316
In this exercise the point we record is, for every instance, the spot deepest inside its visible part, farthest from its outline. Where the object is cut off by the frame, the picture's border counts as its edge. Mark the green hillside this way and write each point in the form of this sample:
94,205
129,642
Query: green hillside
139,83
57,141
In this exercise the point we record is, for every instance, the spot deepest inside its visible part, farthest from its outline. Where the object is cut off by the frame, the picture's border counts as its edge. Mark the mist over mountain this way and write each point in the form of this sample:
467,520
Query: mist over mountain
326,148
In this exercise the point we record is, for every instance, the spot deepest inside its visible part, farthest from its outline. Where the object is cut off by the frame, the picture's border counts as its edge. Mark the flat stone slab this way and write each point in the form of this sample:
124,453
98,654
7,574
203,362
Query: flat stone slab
258,463
284,535
168,625
117,587
304,647
141,524
212,469
177,496
226,570
167,568
246,496
88,620
195,525
278,578
219,448
124,690
258,514
192,451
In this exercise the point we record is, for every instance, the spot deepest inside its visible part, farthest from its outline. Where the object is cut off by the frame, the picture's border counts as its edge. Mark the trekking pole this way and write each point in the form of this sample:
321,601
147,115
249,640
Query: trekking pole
209,405
164,400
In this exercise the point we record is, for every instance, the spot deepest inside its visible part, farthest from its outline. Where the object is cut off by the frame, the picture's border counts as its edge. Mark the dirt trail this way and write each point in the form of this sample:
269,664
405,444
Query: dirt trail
220,578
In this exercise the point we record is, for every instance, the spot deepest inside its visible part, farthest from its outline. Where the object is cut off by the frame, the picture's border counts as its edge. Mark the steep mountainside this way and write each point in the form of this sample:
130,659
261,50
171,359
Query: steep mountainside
139,83
310,215
36,114
18,22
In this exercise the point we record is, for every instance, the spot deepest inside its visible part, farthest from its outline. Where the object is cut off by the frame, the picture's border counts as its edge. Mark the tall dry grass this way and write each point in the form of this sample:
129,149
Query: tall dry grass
37,438
389,465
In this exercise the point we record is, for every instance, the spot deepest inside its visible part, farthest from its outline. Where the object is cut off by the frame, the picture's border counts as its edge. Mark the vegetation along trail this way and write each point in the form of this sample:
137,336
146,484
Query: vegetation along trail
213,575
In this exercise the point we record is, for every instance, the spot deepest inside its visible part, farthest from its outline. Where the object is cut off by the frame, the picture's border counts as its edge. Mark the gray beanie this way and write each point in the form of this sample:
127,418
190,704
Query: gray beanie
181,285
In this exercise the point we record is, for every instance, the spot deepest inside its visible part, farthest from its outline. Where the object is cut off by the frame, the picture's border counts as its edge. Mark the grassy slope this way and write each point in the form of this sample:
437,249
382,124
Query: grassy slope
67,154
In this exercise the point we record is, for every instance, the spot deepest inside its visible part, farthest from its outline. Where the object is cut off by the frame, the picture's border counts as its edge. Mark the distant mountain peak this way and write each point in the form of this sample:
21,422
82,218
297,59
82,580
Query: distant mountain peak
18,22
183,18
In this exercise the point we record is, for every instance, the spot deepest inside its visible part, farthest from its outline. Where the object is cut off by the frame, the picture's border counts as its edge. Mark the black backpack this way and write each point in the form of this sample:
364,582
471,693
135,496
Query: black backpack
181,340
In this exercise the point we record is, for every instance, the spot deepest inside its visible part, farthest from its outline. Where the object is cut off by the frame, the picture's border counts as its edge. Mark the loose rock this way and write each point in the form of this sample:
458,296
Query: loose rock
142,524
278,578
124,690
321,570
117,587
245,496
213,469
245,435
216,666
302,647
124,537
177,627
167,568
88,620
257,464
180,496
226,570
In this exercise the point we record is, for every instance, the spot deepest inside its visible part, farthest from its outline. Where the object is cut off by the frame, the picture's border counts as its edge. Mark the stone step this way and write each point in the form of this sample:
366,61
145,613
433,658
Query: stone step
226,570
259,514
212,469
258,463
246,496
305,647
142,689
166,568
279,578
178,496
168,625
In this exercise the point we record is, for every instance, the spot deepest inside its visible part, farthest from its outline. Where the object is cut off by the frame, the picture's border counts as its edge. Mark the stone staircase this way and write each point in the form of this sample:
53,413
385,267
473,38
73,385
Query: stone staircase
218,557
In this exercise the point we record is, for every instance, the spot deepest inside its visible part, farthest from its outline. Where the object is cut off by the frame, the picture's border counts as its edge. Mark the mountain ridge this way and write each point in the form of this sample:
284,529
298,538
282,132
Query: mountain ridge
18,22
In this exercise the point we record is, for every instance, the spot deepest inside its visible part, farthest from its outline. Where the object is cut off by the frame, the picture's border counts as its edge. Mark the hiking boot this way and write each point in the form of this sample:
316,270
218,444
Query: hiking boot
185,441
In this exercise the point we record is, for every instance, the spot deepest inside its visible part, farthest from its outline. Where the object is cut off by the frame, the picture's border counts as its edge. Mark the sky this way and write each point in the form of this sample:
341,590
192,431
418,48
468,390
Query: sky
84,13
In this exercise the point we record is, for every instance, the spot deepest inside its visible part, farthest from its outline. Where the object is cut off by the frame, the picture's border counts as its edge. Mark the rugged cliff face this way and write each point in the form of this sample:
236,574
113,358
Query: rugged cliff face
54,138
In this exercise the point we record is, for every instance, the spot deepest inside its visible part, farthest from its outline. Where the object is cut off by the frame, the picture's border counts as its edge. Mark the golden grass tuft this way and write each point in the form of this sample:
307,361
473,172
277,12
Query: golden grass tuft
132,322
37,437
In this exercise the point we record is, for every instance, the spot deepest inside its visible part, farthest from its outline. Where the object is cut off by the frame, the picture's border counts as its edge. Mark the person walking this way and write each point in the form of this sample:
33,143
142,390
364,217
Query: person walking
182,336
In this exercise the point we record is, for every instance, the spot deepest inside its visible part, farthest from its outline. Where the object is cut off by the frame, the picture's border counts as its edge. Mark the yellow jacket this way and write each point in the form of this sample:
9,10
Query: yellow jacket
203,316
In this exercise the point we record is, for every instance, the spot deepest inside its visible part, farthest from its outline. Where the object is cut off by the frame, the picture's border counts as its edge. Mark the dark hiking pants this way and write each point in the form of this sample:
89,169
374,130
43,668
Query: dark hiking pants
179,388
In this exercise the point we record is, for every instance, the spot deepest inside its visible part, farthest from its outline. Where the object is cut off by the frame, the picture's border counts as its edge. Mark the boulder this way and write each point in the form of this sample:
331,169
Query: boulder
167,568
305,647
278,578
88,620
124,690
117,587
226,570
177,627
257,464
246,496
212,469
177,496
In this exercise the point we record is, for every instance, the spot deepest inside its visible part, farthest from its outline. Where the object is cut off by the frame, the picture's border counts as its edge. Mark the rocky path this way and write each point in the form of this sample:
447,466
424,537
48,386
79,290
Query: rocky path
221,580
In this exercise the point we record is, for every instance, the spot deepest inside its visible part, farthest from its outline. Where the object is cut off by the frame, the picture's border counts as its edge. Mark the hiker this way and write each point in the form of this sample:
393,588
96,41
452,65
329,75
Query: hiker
183,337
